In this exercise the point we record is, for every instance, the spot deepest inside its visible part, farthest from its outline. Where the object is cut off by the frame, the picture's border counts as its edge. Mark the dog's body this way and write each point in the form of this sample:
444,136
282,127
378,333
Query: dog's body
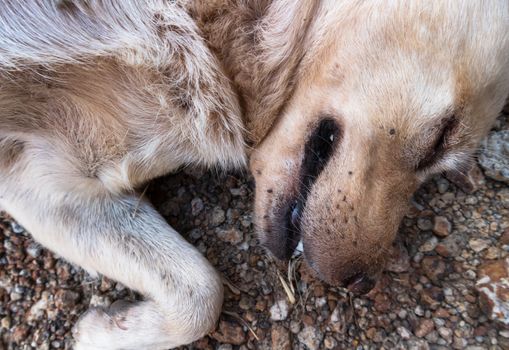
96,99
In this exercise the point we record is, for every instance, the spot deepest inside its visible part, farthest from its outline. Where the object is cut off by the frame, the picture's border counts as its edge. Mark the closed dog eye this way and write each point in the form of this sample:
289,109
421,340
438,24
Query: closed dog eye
442,141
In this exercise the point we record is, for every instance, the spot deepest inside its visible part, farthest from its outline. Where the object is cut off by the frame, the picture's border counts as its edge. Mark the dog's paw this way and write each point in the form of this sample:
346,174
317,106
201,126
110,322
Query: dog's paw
100,328
127,325
90,329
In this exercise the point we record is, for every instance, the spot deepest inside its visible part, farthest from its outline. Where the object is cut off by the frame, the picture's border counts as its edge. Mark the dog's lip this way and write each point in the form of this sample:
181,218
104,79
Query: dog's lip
295,214
292,220
286,218
283,228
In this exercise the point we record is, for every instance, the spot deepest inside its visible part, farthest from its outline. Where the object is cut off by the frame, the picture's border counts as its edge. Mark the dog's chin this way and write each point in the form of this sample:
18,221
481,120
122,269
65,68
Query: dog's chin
357,284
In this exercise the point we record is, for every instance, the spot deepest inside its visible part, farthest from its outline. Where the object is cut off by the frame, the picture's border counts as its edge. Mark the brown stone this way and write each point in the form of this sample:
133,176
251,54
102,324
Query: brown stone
424,327
480,331
493,288
330,343
280,338
63,272
48,262
443,250
504,238
66,298
19,333
432,297
233,235
250,316
442,313
332,304
449,246
441,226
308,320
495,270
319,290
371,332
470,298
261,305
433,267
229,333
382,302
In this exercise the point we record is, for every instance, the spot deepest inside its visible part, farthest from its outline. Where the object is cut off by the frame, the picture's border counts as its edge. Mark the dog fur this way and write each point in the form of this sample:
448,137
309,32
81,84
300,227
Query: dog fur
97,98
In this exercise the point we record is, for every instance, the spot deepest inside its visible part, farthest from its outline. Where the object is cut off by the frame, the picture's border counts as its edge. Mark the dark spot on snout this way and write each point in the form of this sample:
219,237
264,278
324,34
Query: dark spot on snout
392,131
269,190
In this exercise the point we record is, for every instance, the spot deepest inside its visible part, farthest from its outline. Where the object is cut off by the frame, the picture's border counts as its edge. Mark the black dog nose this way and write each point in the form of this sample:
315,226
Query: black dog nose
359,284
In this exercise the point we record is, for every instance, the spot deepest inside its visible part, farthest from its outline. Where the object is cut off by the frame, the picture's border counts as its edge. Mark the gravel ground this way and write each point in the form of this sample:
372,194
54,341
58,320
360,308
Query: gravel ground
454,237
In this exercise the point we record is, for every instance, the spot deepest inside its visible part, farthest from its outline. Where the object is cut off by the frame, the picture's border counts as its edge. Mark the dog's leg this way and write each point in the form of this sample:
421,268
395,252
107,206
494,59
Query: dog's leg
177,76
124,238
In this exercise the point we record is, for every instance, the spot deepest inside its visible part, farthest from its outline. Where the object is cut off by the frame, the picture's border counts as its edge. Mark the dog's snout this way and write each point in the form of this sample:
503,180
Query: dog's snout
359,283
357,278
284,225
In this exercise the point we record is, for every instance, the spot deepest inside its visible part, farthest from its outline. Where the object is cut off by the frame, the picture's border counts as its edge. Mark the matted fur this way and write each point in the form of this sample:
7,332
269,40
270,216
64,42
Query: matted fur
99,97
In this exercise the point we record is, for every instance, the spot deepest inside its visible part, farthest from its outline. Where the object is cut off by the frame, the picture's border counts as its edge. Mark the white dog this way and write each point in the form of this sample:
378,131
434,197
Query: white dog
346,107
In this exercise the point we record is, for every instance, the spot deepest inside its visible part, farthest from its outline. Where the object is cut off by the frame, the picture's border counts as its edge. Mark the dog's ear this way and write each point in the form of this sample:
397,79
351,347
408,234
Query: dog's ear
157,36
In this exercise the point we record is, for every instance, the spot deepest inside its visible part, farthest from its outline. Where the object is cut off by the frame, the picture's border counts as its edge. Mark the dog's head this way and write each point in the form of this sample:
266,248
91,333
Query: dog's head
382,101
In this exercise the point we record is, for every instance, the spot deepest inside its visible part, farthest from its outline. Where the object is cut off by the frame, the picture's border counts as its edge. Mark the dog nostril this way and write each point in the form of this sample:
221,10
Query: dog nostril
318,150
359,284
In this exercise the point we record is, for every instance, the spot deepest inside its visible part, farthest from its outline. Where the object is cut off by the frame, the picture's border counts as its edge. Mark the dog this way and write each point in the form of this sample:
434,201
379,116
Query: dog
341,109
